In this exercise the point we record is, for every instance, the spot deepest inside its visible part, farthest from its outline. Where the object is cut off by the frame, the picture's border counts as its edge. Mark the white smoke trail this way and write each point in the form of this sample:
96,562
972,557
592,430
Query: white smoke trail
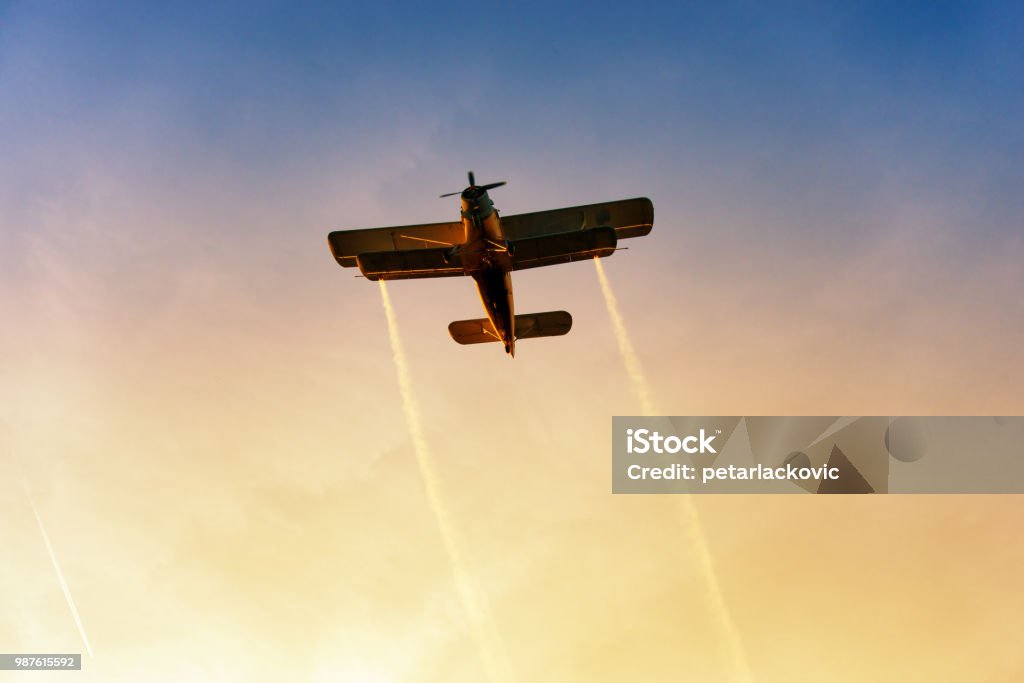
487,641
56,568
690,519
726,626
629,357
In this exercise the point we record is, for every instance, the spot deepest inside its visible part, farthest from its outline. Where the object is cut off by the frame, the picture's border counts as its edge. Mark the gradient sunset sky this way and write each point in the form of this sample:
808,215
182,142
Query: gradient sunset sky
205,409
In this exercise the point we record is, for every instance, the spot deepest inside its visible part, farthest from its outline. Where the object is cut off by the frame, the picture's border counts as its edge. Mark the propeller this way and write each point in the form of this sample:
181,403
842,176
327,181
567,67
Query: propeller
473,186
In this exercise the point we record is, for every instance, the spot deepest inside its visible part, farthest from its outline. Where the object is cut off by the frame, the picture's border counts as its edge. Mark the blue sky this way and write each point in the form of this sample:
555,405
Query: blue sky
741,102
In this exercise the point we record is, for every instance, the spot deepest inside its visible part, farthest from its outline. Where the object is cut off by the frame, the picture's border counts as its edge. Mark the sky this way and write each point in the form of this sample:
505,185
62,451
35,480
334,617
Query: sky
205,410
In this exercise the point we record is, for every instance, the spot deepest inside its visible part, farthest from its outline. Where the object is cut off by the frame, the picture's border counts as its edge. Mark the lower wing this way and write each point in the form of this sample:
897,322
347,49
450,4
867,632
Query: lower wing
406,265
564,247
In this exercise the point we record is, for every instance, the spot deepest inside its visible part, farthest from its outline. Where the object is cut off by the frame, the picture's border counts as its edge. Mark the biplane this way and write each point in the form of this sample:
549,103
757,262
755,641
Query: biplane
488,247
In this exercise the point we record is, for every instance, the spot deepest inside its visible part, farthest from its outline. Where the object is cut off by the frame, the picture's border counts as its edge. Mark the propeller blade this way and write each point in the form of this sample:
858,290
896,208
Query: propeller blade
472,185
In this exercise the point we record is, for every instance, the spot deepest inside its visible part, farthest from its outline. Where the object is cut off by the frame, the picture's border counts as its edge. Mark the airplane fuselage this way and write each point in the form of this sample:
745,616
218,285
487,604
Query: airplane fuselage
484,255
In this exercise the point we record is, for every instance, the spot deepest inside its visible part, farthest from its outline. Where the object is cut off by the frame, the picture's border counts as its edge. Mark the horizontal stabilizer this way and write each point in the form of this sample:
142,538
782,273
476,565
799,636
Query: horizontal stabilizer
415,263
528,326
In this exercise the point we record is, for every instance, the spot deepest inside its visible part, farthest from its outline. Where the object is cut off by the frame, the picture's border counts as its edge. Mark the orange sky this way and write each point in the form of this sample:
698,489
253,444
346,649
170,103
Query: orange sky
225,472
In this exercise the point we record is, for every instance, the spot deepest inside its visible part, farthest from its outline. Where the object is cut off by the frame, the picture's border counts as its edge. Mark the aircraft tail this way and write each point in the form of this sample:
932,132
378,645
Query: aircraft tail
528,326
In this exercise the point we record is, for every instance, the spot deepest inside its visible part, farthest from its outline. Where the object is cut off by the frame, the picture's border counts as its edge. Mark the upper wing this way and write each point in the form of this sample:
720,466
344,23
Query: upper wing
629,217
346,245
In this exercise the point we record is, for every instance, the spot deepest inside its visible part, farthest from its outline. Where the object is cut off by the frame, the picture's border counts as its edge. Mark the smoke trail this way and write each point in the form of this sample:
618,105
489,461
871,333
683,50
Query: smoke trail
629,357
487,641
690,519
56,568
726,626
